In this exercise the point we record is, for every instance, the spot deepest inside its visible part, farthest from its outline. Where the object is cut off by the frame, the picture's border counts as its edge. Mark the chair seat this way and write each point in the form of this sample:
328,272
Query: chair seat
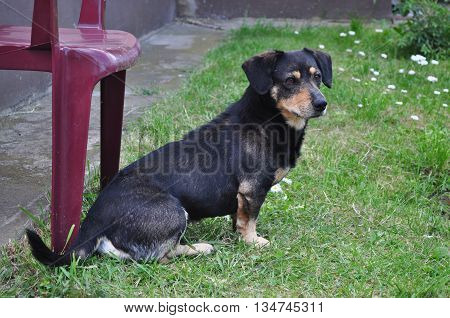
113,50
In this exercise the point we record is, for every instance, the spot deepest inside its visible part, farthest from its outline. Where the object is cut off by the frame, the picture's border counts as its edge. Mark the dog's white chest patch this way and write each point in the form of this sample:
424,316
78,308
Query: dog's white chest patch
280,173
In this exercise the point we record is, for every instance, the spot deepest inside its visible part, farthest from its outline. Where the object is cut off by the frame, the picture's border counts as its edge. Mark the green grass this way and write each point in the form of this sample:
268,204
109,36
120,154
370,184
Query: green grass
365,216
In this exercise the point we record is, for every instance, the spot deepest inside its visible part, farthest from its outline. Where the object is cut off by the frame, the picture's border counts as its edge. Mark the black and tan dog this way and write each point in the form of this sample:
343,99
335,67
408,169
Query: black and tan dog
224,167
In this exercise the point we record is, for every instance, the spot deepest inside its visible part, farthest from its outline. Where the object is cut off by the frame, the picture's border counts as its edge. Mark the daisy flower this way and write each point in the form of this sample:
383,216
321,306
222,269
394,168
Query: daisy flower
411,72
361,53
348,50
414,117
432,79
321,46
404,91
379,30
351,33
342,34
399,103
390,86
437,93
384,55
418,57
434,62
401,71
357,41
276,189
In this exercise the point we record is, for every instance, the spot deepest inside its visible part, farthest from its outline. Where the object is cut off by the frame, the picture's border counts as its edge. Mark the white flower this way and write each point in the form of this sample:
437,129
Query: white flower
383,55
376,73
351,33
288,181
445,90
391,86
378,30
361,53
418,57
321,46
404,91
422,62
432,79
276,188
296,32
356,79
437,93
445,105
414,117
434,62
357,41
411,72
341,69
401,71
348,50
360,105
342,34
371,69
373,79
399,103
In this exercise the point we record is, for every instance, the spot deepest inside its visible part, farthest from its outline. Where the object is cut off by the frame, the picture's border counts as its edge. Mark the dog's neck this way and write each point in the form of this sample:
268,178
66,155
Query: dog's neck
262,110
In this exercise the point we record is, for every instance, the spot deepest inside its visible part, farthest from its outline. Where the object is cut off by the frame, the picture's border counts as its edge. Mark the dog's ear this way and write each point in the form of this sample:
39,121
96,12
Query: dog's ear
323,60
259,70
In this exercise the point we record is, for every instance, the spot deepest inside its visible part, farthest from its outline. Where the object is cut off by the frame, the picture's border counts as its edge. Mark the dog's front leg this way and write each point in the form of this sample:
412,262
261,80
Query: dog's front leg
245,218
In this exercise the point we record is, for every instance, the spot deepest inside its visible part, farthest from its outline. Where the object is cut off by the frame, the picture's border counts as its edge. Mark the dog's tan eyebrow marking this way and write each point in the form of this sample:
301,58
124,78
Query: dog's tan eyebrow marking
296,74
312,70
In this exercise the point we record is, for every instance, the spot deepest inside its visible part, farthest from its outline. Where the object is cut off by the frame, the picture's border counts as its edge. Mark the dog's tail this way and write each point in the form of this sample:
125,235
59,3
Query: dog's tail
47,257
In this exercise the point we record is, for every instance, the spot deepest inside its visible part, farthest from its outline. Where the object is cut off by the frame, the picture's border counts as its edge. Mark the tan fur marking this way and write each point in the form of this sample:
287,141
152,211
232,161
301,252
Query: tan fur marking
274,92
246,225
246,187
296,74
280,174
296,108
312,70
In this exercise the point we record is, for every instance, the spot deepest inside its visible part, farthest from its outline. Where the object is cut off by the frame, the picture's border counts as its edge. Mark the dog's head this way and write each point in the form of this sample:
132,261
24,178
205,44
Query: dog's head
293,80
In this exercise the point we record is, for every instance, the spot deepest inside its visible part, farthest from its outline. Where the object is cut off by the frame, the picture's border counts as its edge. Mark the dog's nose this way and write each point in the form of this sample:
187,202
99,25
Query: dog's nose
320,104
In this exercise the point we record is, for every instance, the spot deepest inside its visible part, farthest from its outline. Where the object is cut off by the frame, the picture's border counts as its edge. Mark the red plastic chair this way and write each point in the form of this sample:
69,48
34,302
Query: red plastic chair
78,59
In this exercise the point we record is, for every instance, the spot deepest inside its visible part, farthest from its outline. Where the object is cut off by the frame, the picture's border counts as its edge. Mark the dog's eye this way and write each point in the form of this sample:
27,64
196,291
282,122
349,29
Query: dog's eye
290,80
317,76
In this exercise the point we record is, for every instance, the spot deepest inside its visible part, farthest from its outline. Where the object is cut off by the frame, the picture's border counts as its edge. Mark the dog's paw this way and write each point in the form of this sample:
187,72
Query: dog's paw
203,248
261,242
258,241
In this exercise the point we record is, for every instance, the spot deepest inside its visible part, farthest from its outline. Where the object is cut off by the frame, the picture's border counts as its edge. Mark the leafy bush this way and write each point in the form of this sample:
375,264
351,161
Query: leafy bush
427,31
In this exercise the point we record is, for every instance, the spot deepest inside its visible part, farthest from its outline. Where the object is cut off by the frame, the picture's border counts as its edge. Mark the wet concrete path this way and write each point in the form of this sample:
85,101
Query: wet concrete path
25,131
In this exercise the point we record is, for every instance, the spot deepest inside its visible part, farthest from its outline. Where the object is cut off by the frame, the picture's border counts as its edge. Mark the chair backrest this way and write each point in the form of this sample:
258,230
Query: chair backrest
44,33
92,14
44,30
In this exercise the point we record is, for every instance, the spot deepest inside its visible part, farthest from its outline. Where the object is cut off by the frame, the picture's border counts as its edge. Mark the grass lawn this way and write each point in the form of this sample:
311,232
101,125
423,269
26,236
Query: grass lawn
366,214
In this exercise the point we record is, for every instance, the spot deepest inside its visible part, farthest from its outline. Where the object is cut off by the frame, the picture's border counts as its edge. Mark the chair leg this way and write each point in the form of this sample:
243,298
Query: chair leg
71,97
112,91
